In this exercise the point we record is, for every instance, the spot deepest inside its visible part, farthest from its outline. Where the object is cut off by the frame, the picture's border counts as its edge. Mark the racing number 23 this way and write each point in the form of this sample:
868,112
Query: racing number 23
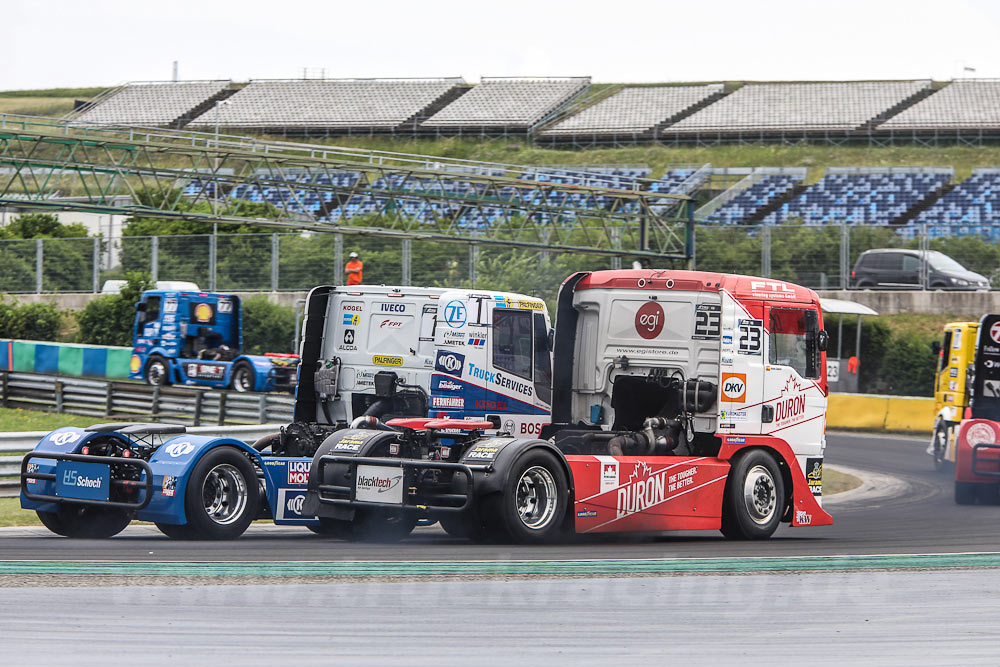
751,335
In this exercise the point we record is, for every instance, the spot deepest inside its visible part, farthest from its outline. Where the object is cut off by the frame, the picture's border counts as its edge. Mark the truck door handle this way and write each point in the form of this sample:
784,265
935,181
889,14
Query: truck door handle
767,414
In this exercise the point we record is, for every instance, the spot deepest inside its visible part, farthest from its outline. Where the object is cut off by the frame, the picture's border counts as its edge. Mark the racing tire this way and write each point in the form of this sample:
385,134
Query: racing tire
965,493
222,496
382,526
157,371
534,500
988,494
940,447
337,528
85,521
175,531
244,379
754,499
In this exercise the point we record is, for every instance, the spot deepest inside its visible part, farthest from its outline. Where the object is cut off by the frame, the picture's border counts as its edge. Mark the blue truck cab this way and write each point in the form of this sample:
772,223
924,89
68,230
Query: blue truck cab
196,338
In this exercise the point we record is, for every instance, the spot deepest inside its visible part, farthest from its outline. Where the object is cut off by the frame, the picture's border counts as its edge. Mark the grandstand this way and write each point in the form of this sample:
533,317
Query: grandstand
864,195
157,103
966,104
322,106
801,108
750,200
506,106
972,207
634,112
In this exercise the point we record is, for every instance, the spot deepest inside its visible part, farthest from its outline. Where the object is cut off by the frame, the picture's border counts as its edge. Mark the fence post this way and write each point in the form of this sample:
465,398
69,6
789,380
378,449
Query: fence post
338,258
154,257
845,256
155,407
97,263
198,398
6,380
212,249
473,260
108,397
275,249
765,251
39,253
262,409
407,259
59,395
222,408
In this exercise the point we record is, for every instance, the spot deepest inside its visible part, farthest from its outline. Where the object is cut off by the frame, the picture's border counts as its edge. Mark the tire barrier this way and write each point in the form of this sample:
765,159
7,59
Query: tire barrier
908,414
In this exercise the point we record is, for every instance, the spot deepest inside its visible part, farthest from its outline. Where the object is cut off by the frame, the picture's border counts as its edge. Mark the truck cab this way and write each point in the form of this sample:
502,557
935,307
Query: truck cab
196,338
956,354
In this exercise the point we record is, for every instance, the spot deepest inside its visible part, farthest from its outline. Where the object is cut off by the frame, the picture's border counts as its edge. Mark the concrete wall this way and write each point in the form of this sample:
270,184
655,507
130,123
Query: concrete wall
881,413
972,305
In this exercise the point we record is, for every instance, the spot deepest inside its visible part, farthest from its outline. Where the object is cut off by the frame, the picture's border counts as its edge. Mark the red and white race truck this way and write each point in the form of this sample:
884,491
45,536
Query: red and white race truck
680,400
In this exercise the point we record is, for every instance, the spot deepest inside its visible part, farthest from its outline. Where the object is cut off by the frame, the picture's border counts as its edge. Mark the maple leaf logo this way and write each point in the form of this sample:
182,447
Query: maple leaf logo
641,470
792,385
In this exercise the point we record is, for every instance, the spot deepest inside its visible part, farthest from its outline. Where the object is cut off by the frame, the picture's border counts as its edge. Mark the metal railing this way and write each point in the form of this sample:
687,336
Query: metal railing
125,401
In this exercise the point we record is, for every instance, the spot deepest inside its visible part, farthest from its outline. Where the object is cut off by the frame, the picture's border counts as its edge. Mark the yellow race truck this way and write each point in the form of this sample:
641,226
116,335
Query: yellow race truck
956,355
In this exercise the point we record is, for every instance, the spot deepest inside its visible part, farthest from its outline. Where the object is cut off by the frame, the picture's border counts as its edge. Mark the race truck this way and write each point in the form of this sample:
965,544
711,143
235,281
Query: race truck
956,353
195,338
368,353
680,400
976,448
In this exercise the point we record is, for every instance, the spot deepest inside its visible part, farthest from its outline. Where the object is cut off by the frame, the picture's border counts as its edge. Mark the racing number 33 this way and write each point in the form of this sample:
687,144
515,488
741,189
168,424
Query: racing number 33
751,335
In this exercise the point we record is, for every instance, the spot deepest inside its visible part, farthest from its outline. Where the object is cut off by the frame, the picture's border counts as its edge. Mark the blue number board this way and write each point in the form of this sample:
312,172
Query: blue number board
89,481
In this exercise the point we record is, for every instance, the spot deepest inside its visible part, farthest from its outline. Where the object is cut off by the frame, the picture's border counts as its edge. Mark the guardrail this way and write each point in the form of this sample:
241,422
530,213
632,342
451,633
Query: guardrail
123,400
25,441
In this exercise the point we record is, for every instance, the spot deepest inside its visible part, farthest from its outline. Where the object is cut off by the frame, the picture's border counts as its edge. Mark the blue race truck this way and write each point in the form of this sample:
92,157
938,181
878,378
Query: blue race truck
195,338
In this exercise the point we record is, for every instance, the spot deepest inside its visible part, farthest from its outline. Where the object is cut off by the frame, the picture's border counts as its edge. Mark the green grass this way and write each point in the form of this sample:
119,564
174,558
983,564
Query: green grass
11,514
15,419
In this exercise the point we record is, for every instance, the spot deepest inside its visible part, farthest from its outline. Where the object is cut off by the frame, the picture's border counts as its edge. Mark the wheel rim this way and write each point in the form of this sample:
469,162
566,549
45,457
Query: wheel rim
157,373
760,494
225,494
242,380
940,444
536,498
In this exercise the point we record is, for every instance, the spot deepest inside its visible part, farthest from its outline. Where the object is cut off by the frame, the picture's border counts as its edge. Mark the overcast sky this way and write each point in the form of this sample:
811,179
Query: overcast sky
56,43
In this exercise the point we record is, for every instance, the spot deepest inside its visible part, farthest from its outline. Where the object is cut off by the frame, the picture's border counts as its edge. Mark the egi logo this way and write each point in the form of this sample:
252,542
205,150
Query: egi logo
649,320
176,449
64,438
734,387
455,314
451,363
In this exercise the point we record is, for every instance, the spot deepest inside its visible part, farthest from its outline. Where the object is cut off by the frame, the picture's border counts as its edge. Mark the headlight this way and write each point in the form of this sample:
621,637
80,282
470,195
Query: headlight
959,281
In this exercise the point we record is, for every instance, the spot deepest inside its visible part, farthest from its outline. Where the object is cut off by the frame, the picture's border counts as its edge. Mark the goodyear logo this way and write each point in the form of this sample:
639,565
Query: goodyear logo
351,320
203,312
381,360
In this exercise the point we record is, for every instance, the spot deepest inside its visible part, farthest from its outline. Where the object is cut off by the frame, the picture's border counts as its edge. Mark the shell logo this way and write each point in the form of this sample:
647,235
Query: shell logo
135,363
203,312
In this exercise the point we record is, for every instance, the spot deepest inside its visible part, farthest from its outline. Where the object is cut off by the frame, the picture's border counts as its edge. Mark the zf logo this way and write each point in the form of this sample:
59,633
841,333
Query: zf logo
455,314
751,336
348,336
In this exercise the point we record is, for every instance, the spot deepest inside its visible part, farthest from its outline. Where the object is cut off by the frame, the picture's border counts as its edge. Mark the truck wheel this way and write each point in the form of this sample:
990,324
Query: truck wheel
385,526
157,372
85,521
222,495
940,447
754,499
244,378
175,531
531,507
965,493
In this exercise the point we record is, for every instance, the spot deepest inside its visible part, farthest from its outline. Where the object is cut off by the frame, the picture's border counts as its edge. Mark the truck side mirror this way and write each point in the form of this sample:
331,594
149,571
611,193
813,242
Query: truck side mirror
551,340
936,348
822,340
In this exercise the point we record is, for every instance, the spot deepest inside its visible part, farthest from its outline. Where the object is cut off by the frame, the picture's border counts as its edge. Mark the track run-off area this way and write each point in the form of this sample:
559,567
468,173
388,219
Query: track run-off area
904,575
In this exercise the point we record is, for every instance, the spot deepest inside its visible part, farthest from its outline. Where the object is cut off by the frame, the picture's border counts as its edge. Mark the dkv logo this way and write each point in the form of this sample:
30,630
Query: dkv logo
734,387
649,320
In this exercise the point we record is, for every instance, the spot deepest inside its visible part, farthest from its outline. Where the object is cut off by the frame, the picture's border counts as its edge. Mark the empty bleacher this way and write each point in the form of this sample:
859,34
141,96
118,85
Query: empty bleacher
966,104
863,195
800,107
972,207
338,105
506,105
151,103
633,111
749,199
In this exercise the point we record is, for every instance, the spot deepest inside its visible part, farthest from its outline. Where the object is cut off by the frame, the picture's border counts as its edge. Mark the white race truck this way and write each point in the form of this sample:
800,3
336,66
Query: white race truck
680,400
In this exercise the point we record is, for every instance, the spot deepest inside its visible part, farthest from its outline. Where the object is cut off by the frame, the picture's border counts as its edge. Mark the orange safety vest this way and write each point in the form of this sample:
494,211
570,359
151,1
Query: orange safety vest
354,269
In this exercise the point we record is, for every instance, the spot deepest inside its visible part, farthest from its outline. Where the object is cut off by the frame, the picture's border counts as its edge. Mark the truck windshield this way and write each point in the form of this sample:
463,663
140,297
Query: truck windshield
793,340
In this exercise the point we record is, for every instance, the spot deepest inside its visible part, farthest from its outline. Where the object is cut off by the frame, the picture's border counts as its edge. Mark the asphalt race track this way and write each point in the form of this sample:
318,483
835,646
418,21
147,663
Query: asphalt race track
919,516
